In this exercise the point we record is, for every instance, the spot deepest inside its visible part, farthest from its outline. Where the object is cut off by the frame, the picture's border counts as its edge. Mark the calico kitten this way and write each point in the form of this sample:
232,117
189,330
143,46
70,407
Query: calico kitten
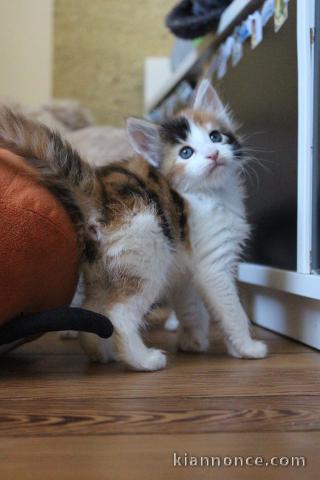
170,221
192,251
201,157
128,222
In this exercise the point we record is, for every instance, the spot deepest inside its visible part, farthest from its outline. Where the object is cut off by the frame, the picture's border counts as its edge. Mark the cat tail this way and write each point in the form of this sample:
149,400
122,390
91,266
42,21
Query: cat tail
60,167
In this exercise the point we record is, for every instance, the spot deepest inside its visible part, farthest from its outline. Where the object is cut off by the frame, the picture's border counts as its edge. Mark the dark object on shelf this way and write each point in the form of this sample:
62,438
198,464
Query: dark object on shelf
65,318
195,18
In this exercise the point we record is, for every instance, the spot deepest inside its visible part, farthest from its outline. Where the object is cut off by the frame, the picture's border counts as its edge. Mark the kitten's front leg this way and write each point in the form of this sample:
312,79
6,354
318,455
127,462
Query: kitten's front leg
193,319
222,300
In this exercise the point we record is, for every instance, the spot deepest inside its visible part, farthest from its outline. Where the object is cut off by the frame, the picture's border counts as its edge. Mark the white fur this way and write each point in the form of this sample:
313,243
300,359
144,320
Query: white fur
197,173
218,230
172,323
144,139
140,247
203,285
207,100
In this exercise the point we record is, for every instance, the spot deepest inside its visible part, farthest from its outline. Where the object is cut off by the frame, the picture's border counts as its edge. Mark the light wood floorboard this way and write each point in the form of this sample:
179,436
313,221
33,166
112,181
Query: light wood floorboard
64,418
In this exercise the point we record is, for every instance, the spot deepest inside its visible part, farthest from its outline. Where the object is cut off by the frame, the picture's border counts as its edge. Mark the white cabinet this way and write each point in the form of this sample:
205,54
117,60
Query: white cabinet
274,92
288,300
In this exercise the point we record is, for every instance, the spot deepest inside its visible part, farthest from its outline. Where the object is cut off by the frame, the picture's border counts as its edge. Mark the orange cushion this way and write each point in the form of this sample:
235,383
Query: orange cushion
38,245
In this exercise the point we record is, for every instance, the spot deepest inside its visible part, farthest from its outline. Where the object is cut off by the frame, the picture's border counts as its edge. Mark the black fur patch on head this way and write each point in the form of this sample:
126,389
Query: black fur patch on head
236,147
174,130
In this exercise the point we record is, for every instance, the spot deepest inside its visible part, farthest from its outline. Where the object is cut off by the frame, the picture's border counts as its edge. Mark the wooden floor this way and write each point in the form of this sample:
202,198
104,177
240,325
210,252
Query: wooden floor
63,418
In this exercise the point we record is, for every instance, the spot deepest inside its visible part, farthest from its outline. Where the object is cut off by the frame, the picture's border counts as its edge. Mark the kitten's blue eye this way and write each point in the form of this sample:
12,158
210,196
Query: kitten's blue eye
215,136
186,152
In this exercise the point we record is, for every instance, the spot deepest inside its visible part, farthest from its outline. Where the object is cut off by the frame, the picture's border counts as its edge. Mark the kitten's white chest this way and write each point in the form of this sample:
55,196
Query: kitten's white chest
208,211
217,223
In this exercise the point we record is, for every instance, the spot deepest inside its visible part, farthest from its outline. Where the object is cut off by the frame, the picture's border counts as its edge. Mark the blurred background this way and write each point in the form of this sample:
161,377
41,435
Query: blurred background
90,50
144,57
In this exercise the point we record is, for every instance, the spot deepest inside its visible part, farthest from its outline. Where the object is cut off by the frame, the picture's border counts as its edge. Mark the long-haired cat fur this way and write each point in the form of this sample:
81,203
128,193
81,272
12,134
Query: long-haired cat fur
167,222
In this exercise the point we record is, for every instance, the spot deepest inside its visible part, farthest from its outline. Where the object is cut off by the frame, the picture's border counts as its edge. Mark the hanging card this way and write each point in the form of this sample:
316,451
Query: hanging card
244,30
222,63
213,67
225,54
256,29
280,14
267,11
228,45
237,52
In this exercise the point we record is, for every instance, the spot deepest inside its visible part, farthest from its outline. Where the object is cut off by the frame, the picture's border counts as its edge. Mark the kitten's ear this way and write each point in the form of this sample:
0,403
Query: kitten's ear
144,137
207,100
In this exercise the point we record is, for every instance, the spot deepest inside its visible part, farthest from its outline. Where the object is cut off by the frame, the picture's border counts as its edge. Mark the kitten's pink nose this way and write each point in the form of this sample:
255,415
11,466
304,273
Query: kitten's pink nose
213,156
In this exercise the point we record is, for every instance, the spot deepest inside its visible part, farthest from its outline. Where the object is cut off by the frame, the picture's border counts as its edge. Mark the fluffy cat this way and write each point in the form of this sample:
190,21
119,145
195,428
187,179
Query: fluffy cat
169,221
200,157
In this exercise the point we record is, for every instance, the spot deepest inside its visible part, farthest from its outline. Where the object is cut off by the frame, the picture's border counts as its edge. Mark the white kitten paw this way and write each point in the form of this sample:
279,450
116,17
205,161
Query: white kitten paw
172,323
248,349
193,341
153,359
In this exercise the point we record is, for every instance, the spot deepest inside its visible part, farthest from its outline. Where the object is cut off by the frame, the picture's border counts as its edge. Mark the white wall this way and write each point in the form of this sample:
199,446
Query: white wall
26,50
